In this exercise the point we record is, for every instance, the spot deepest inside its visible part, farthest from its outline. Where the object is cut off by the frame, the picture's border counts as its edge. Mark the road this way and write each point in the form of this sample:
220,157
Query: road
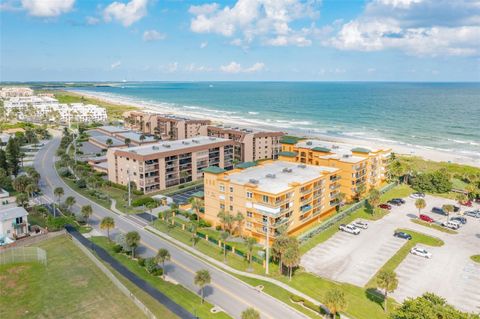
225,291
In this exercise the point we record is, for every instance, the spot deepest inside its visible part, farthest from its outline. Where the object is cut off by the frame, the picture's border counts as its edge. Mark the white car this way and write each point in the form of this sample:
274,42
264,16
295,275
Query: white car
422,252
417,195
451,224
349,229
360,224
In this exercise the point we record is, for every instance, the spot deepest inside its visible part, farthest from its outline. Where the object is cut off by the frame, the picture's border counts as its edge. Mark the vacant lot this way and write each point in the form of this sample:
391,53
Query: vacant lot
70,286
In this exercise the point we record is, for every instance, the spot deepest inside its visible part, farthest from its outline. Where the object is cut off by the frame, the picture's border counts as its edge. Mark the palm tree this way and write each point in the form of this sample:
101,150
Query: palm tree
420,204
447,208
226,219
22,199
239,219
192,228
279,247
374,199
107,223
223,236
291,257
142,138
127,141
461,198
58,193
162,256
387,280
86,212
250,244
69,202
30,189
202,278
250,313
151,206
132,239
335,301
197,204
109,142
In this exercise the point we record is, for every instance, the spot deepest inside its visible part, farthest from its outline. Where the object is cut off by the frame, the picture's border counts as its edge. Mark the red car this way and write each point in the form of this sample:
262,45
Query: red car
426,218
467,203
385,206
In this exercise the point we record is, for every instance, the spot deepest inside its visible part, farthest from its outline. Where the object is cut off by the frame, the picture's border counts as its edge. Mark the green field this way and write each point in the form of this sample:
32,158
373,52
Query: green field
70,286
434,226
418,164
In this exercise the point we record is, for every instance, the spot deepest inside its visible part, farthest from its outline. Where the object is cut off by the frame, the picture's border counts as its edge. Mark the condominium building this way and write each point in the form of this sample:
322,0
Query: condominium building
167,127
158,166
250,145
7,92
361,169
271,195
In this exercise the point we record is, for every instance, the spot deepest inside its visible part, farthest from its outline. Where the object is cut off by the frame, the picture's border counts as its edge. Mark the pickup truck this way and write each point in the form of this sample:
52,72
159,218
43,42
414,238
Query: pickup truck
349,229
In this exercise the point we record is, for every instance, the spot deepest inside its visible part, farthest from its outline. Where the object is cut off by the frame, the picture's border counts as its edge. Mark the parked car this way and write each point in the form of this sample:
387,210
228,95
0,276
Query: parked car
395,202
419,251
401,234
417,195
473,213
426,218
360,224
400,200
460,219
385,206
349,229
467,203
451,224
438,210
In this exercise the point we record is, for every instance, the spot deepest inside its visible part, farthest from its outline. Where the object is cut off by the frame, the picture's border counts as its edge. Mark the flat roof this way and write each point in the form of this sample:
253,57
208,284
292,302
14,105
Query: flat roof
101,138
335,147
112,129
276,177
167,146
12,212
135,137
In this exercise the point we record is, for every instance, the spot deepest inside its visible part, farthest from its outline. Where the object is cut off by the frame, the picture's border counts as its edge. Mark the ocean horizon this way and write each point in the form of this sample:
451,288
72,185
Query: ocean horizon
431,115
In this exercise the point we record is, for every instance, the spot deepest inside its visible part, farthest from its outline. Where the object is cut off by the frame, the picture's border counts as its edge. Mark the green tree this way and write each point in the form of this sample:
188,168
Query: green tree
374,199
387,280
461,198
162,256
109,142
107,223
291,257
69,202
3,160
226,219
335,301
280,245
192,228
132,239
13,156
448,209
250,243
127,141
58,193
197,204
86,212
420,203
22,199
239,218
31,189
250,313
21,182
202,278
223,237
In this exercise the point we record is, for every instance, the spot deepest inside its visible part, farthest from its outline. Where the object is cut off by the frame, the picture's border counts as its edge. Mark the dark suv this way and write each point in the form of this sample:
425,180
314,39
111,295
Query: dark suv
401,234
438,210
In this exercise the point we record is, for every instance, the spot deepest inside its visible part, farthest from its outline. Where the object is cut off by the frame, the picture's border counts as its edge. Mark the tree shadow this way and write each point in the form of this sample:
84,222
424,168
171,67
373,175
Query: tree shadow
376,296
207,291
369,209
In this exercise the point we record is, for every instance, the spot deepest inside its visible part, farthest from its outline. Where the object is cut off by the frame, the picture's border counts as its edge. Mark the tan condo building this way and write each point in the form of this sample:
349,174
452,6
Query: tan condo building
271,196
167,127
157,166
250,145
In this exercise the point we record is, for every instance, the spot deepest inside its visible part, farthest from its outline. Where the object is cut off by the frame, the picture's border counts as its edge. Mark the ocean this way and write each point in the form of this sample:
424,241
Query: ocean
438,116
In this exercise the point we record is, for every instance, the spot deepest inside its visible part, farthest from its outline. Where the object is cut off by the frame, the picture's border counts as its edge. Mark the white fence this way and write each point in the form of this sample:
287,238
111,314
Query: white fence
23,254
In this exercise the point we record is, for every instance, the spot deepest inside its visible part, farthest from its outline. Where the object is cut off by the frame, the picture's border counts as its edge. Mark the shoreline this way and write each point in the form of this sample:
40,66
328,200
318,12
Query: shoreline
398,147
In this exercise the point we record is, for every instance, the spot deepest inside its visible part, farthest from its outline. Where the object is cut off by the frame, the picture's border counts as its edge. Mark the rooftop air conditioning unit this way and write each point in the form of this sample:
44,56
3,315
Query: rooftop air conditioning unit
166,145
346,155
253,181
270,176
335,147
155,148
185,143
287,170
213,138
309,143
302,166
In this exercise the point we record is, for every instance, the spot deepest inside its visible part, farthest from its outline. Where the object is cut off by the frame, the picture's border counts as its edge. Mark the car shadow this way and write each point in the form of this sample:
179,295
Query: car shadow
412,216
375,295
477,235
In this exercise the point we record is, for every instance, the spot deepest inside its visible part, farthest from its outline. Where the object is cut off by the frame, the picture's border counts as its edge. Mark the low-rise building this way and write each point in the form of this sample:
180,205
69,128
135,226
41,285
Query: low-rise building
160,165
271,195
7,92
361,169
112,136
250,144
166,127
13,223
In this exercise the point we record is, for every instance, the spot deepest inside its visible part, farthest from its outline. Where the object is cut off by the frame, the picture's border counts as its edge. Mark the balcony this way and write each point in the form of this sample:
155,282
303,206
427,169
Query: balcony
305,208
281,222
336,178
306,190
334,186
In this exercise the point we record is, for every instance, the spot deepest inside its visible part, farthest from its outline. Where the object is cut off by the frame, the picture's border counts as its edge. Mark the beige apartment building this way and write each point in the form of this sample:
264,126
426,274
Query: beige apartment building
271,195
250,145
157,166
167,127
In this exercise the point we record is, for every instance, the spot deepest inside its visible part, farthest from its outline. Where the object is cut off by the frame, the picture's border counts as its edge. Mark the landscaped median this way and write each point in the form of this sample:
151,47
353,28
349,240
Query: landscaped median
475,258
402,253
434,226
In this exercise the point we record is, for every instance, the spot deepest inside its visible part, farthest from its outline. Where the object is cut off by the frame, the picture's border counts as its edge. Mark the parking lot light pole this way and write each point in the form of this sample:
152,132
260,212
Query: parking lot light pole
267,253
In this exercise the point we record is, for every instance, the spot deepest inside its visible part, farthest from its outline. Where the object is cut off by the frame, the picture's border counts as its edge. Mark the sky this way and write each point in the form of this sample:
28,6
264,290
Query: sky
240,40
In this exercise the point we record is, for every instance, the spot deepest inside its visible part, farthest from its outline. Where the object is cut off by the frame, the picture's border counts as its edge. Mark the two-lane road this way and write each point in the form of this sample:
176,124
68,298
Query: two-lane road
225,291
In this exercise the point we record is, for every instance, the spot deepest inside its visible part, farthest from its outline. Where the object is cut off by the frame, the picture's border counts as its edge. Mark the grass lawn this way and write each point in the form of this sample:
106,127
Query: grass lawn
114,111
475,258
402,253
70,286
418,164
177,293
434,226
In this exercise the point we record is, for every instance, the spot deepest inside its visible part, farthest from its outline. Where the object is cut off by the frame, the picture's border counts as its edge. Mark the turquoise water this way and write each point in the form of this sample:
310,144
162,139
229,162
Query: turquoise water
444,116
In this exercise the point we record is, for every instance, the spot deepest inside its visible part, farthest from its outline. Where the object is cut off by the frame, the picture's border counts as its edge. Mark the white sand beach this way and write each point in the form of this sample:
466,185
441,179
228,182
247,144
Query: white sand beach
225,118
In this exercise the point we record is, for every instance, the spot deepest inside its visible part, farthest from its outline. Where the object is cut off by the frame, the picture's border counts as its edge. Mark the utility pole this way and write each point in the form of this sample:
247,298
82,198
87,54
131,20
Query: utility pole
129,189
267,254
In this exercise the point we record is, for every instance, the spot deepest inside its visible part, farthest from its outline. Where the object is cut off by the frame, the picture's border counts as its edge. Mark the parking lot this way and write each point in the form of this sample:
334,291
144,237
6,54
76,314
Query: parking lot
450,273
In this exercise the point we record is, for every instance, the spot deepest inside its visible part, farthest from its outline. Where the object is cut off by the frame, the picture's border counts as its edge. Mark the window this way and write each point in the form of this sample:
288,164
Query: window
222,188
249,214
222,206
231,207
231,189
265,198
231,198
249,224
249,195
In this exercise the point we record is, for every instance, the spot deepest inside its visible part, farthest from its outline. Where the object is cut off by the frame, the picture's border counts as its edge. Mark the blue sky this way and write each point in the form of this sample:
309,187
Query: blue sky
174,40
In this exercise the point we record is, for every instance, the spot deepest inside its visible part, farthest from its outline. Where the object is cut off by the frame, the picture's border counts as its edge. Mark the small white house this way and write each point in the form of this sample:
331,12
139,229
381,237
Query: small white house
13,223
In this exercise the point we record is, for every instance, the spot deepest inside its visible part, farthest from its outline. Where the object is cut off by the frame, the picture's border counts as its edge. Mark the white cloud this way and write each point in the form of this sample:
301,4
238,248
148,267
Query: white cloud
200,68
169,68
47,8
153,35
92,20
203,45
269,20
234,67
417,27
115,65
126,13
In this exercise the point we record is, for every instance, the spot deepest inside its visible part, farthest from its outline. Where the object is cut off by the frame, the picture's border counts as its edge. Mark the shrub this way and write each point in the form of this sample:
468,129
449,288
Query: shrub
64,172
150,265
117,248
158,272
141,261
193,217
218,227
142,201
137,192
81,183
203,223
